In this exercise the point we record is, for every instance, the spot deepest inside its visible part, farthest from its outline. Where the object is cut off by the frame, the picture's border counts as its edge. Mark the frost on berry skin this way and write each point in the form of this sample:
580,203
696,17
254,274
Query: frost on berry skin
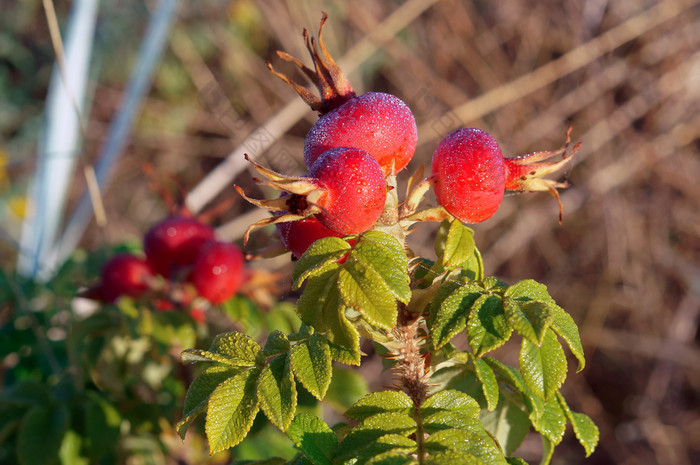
297,236
175,242
378,123
354,190
124,274
218,271
470,174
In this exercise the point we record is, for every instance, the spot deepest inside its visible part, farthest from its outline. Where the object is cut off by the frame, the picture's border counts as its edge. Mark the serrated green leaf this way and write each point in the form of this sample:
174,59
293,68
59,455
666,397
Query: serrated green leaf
543,368
448,419
372,429
388,258
473,441
231,410
320,256
441,237
313,438
528,289
495,285
277,343
380,402
488,382
320,299
459,245
392,458
364,290
234,349
41,433
585,429
508,423
386,444
547,451
487,328
277,392
452,457
450,317
552,422
566,328
531,319
312,365
344,339
515,461
450,400
442,293
473,268
512,377
199,391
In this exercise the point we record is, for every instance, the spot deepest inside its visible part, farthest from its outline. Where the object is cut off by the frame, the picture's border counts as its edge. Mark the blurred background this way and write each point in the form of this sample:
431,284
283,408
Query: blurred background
625,262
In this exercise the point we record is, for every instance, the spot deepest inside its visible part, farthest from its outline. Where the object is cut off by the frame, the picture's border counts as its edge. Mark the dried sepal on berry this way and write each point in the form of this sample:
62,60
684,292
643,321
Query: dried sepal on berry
332,84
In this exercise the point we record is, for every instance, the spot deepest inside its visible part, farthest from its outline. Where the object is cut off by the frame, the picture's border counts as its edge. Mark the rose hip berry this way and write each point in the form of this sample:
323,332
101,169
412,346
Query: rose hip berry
175,242
472,174
124,274
218,271
378,123
297,236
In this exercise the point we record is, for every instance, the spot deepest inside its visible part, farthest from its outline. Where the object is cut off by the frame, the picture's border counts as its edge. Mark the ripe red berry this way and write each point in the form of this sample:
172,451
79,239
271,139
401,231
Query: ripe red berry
175,242
470,174
124,274
378,123
297,236
352,190
218,272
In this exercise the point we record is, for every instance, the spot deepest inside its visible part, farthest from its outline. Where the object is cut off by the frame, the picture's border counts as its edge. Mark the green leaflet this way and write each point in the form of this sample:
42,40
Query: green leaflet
528,289
531,319
473,441
313,438
508,423
380,402
450,316
450,400
392,458
363,289
277,392
321,299
70,451
552,422
41,433
447,420
459,245
543,368
234,349
487,327
373,428
547,451
102,423
388,258
565,327
277,343
452,457
312,365
585,430
231,411
488,381
512,377
386,446
199,391
320,255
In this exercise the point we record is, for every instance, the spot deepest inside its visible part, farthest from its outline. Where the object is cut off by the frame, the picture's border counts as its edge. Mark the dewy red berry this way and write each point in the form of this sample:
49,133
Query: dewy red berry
175,242
124,274
378,123
218,272
470,174
297,236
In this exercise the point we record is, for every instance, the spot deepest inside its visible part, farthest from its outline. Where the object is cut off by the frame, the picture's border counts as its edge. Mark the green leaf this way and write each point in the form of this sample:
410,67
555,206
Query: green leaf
388,258
231,411
514,379
318,258
199,391
451,316
447,420
385,445
488,381
102,423
528,289
473,268
566,328
27,394
459,245
40,434
363,289
473,441
372,429
312,365
495,285
392,458
531,319
450,400
452,457
69,453
234,349
547,451
442,293
380,402
313,438
277,343
321,299
552,422
543,368
487,327
515,461
344,339
585,429
277,392
508,423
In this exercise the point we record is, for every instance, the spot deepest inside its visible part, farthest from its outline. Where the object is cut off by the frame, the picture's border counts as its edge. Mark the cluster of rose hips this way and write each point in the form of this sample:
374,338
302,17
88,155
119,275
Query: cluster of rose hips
182,260
359,144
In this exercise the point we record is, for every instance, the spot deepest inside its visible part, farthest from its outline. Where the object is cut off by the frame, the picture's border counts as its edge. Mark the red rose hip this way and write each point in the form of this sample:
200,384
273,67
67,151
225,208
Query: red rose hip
297,236
218,271
175,242
124,274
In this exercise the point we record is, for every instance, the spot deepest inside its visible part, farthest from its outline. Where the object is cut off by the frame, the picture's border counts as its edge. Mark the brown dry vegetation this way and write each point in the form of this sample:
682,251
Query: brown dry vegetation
626,260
